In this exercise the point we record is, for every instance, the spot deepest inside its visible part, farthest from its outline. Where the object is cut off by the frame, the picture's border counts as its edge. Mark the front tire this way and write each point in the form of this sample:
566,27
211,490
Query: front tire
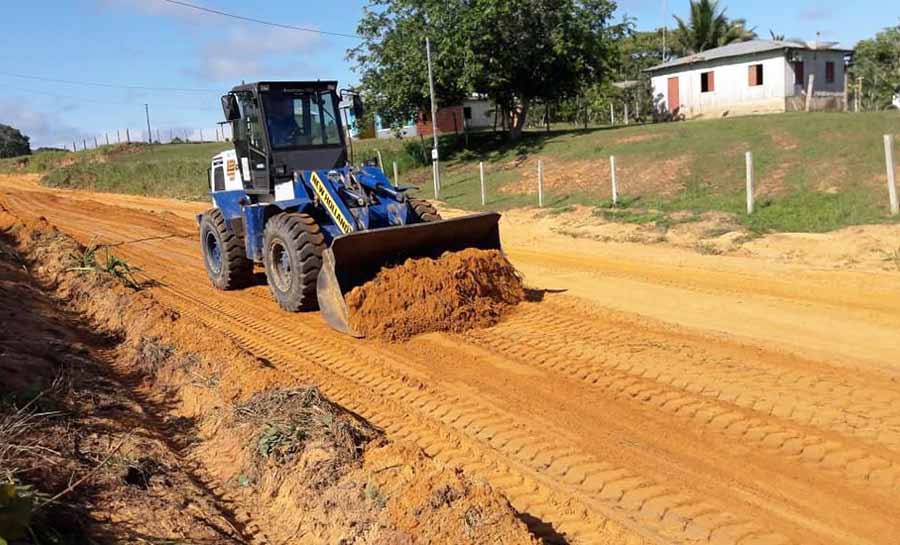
293,257
423,211
223,253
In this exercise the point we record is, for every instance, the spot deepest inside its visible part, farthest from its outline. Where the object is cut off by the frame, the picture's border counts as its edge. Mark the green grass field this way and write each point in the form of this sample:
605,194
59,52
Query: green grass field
814,172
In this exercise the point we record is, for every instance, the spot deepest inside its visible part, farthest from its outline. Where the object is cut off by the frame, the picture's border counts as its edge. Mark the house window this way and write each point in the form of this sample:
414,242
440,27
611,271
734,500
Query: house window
829,72
756,75
799,76
707,82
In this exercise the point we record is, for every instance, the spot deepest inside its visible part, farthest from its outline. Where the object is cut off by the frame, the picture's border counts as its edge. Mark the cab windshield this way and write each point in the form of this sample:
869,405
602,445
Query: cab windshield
302,119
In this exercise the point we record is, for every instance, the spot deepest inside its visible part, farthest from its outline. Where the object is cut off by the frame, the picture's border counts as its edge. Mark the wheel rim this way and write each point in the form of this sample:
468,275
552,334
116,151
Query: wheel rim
213,252
280,265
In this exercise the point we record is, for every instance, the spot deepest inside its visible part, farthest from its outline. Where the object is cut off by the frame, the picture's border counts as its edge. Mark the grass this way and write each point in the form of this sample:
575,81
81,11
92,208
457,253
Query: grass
815,172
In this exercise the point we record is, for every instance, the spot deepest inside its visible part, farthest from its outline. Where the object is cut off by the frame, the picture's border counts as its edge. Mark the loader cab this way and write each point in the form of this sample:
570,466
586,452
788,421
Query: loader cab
283,127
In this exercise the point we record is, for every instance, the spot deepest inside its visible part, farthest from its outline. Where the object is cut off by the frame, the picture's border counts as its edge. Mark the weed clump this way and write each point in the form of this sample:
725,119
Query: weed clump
290,421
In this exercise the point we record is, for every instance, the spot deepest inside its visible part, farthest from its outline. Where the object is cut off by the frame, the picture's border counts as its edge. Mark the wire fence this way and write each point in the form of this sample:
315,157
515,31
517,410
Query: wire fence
220,133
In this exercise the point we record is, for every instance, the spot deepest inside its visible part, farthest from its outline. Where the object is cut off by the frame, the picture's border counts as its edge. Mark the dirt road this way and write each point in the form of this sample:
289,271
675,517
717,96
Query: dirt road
646,395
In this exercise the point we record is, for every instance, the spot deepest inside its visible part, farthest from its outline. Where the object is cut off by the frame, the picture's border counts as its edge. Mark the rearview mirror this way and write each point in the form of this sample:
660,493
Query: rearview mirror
230,108
358,110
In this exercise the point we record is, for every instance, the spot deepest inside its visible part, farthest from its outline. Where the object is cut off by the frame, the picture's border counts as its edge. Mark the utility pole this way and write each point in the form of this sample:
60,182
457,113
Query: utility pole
435,156
149,132
665,29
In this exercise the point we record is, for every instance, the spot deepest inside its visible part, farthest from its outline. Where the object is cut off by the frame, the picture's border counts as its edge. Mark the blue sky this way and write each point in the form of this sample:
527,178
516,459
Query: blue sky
154,44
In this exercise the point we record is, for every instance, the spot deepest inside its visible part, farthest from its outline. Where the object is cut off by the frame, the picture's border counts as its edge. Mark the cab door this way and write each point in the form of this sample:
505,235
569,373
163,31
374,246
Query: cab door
253,160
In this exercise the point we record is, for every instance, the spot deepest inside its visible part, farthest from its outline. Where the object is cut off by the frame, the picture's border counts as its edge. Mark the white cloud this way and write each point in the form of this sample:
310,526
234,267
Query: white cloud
246,54
43,128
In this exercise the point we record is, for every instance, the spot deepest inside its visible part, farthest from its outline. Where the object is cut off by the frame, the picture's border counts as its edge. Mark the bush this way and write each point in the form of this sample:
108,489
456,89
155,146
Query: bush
13,143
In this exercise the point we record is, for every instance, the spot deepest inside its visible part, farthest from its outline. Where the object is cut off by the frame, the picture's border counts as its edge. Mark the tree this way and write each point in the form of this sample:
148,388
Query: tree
708,27
12,142
877,61
516,52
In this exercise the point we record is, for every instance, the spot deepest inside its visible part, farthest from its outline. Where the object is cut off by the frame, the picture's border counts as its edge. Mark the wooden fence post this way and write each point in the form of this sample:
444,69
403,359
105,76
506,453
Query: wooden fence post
481,170
396,174
540,183
127,136
380,162
809,91
612,175
891,173
749,160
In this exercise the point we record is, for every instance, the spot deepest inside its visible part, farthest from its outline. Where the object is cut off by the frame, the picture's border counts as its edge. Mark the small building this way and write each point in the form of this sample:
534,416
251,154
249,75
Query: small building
756,76
474,113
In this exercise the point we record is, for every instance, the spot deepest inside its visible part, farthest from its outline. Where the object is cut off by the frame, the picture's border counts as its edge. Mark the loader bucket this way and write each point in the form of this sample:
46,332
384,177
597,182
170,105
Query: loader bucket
354,259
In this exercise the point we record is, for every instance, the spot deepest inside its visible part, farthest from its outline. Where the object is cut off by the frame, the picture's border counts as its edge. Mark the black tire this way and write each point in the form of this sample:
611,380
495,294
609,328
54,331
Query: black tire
293,256
423,211
223,253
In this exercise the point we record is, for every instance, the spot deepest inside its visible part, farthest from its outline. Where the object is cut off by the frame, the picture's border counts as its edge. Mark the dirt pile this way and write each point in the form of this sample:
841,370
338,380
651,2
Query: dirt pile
456,292
189,437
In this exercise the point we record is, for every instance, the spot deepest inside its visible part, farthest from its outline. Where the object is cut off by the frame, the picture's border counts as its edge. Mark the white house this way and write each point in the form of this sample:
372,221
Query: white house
757,76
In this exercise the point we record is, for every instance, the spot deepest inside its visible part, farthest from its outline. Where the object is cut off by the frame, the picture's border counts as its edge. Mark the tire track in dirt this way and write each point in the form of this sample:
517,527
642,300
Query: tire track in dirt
548,467
669,512
851,407
808,447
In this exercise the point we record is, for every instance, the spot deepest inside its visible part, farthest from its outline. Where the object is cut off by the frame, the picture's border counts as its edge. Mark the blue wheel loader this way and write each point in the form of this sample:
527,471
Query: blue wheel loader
289,197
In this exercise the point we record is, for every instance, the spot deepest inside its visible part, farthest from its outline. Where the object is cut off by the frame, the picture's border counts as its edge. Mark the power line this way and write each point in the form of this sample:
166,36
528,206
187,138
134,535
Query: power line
260,21
109,85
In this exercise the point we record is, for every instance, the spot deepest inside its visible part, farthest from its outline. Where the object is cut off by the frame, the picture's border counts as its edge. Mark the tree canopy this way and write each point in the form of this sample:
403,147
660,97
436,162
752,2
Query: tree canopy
13,143
708,27
516,52
877,61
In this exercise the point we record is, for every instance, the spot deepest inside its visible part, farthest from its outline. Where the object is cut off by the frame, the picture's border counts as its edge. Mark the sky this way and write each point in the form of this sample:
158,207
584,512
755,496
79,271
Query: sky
198,56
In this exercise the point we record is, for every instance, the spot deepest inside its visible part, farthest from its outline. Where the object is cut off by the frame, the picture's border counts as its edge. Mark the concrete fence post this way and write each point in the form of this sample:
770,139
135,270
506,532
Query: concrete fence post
891,173
612,114
380,162
481,172
749,161
809,91
540,183
626,113
396,175
612,176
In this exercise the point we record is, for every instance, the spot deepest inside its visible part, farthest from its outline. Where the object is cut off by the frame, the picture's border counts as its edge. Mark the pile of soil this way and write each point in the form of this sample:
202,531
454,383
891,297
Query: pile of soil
176,434
456,292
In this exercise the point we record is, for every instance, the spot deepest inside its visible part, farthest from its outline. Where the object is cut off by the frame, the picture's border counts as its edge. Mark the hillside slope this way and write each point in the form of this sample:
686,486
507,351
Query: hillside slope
814,172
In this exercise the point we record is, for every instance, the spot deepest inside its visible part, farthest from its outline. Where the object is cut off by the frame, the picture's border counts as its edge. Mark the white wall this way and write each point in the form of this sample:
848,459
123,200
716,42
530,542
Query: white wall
814,63
732,90
482,113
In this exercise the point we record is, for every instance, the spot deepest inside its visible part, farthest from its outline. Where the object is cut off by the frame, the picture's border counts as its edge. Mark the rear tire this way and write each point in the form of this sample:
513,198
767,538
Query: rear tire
423,211
293,257
223,253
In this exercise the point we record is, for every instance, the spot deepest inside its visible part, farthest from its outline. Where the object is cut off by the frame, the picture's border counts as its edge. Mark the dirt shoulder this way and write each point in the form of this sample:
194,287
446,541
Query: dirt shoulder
125,422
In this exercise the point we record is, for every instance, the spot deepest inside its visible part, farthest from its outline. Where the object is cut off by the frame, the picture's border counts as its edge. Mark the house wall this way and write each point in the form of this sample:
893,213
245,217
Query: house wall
814,63
482,113
732,93
450,119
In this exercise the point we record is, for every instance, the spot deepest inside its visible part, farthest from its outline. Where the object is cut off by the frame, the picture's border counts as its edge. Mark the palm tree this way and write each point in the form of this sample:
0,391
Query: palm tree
708,28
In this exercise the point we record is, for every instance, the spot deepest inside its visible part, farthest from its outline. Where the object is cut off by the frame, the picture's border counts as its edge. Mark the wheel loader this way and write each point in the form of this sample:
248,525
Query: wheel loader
289,197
